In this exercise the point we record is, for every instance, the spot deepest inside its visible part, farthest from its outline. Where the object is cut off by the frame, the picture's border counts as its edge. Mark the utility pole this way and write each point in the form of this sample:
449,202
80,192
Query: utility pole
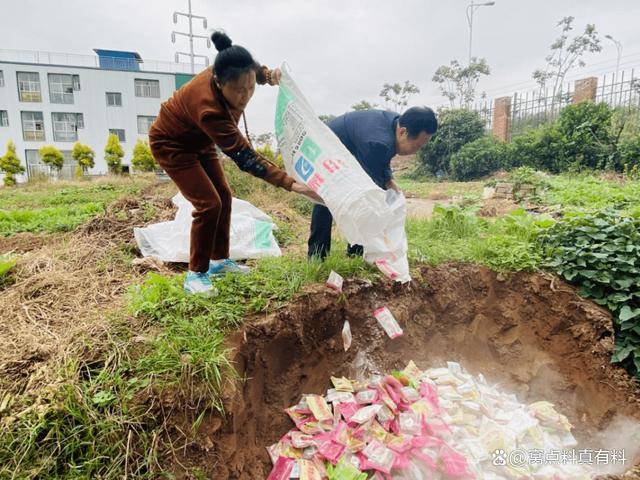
191,36
619,49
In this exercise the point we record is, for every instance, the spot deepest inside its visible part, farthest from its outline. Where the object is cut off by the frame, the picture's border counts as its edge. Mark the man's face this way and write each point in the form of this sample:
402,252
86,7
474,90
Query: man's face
407,145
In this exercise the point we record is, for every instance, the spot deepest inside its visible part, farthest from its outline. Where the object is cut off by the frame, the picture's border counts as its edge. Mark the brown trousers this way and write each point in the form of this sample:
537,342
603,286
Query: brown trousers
201,180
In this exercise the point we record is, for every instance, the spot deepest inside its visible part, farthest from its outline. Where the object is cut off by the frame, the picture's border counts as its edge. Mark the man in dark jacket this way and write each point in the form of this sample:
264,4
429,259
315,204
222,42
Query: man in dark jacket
373,137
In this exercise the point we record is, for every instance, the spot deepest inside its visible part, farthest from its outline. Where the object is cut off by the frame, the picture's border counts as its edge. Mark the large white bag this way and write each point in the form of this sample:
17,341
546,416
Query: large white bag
364,213
251,234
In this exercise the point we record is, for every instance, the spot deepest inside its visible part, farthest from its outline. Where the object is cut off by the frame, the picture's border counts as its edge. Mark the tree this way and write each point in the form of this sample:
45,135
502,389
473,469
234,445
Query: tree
113,154
326,118
566,54
142,157
274,157
52,157
398,95
10,165
364,105
84,155
459,82
264,139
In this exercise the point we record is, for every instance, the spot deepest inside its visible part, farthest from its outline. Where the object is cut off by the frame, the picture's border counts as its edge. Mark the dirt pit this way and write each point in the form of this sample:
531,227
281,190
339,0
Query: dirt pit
529,333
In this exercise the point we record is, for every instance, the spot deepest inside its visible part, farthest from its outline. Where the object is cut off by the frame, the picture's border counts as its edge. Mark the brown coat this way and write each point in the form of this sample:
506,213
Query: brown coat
197,117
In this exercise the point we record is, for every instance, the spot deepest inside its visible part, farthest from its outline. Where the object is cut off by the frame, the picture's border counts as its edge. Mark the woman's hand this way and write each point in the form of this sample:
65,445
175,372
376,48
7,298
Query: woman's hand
276,73
305,191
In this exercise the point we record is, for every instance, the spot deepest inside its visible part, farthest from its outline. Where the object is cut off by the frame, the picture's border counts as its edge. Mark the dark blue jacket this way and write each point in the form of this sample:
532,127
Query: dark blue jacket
370,136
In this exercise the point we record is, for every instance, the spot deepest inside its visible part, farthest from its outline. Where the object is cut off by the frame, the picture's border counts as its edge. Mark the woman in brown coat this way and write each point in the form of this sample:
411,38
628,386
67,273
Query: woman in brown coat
201,115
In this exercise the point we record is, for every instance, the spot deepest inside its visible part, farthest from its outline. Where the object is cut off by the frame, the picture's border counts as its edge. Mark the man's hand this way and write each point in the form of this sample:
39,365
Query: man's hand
276,74
305,191
394,186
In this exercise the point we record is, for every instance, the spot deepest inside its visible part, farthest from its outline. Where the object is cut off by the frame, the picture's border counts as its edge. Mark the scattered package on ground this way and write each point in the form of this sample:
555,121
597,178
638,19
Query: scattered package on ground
364,213
335,281
442,423
251,234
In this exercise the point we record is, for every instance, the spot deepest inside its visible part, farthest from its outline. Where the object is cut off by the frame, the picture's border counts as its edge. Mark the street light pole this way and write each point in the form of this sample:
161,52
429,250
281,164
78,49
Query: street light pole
619,49
471,8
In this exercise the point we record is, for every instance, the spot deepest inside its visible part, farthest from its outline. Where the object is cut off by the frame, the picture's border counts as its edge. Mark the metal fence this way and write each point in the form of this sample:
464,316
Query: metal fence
533,108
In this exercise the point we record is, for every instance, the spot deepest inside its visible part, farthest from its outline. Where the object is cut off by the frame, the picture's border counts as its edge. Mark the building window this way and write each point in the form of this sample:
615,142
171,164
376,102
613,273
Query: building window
61,88
119,132
114,99
36,168
76,82
33,126
4,118
144,123
66,125
29,87
1,78
147,88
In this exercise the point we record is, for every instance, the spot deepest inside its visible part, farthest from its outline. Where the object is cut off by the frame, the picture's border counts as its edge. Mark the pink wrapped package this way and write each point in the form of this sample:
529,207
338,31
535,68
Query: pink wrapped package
335,281
378,457
347,338
282,469
388,322
348,410
453,463
366,396
386,269
319,407
409,423
331,451
300,440
309,470
365,414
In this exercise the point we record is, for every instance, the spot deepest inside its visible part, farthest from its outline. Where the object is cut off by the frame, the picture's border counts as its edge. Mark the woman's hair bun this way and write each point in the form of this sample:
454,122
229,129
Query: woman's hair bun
220,40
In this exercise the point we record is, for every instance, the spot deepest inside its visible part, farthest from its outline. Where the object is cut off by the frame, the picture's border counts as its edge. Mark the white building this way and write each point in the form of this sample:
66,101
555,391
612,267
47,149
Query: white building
58,99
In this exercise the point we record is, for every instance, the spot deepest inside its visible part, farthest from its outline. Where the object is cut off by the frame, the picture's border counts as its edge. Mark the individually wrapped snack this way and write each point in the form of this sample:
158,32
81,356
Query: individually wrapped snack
347,338
366,396
412,372
274,452
348,410
332,451
409,423
319,407
388,322
386,269
282,469
336,396
335,281
365,413
410,394
301,440
342,384
379,457
309,470
345,470
385,415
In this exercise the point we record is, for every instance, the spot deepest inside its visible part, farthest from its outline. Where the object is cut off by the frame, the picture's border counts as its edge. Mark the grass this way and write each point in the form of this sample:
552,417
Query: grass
470,192
589,191
61,206
7,263
507,243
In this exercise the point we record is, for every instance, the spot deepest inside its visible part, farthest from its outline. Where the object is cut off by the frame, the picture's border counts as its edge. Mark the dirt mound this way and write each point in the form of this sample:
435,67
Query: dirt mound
530,333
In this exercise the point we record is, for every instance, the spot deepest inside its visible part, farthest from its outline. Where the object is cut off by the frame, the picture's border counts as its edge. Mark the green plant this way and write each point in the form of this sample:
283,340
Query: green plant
398,95
541,149
142,157
478,158
275,158
52,157
600,252
629,153
113,154
7,264
460,81
456,128
84,155
10,165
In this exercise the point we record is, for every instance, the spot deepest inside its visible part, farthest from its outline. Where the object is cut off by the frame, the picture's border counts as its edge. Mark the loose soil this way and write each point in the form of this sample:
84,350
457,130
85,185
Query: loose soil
530,333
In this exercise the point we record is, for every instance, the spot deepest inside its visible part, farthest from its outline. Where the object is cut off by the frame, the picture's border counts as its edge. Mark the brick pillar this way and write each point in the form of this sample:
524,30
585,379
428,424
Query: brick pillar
585,89
501,118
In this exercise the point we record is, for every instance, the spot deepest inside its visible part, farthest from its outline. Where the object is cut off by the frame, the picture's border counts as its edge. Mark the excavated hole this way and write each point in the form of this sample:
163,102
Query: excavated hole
529,333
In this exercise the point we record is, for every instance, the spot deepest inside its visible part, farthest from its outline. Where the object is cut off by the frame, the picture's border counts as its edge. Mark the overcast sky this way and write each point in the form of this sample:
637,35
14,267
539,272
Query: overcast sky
340,51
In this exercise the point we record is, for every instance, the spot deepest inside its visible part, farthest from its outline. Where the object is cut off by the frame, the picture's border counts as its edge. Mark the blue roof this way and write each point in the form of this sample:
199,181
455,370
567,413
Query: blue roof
118,60
117,54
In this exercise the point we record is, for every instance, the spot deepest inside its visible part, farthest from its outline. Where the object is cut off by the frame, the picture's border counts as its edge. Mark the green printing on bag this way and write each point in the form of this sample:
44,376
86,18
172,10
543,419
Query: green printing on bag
284,99
262,239
310,149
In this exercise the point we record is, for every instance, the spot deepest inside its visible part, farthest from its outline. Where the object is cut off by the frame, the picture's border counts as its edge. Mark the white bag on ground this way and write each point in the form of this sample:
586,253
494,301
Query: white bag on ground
364,213
251,234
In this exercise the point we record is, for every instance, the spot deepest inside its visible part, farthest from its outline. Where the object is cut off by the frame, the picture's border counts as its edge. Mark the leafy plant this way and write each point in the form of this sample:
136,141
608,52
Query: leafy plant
52,157
10,165
398,95
7,263
600,252
478,158
84,155
113,154
459,82
142,157
456,129
363,105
